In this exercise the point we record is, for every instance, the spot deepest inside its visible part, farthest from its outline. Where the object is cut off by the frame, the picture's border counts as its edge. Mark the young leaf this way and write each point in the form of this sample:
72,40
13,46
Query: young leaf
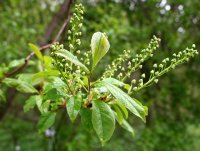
53,94
69,56
100,46
2,96
119,114
36,50
20,85
15,63
73,107
10,82
128,127
123,109
26,88
136,108
103,120
124,124
116,82
46,121
30,103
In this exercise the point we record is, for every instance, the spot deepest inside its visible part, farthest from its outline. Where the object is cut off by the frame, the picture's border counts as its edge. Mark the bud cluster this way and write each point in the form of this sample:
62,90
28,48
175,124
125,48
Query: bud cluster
117,65
165,66
136,62
74,32
69,73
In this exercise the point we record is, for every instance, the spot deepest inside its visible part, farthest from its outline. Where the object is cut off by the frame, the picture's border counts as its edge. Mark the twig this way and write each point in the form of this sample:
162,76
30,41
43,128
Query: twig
27,59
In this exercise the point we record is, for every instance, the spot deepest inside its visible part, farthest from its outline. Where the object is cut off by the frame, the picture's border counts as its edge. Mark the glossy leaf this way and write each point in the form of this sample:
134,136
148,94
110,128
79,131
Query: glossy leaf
36,50
136,108
73,107
46,121
69,56
100,46
103,120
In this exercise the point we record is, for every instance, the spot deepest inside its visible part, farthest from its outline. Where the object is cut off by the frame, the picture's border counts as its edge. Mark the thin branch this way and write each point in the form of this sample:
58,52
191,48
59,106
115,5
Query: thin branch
27,59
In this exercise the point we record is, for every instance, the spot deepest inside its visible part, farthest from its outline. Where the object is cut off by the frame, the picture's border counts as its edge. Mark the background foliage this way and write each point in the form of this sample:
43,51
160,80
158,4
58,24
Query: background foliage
173,121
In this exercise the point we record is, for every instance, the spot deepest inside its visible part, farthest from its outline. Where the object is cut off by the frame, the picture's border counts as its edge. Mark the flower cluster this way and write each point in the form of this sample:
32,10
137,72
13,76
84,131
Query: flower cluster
71,74
117,65
124,65
74,32
164,67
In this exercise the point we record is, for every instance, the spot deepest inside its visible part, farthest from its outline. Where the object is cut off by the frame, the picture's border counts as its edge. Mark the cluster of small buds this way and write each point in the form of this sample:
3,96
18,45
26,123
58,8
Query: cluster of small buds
74,32
166,66
86,58
144,55
118,65
66,68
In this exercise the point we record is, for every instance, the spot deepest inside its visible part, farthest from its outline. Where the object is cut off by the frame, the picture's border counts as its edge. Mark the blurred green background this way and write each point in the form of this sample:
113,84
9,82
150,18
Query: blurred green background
173,123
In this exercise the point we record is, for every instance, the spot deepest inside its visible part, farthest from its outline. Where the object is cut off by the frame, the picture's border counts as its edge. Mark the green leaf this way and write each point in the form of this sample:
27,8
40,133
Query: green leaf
36,50
20,85
86,118
132,104
69,56
103,120
119,114
26,88
100,46
123,109
73,106
30,103
46,121
116,82
124,124
128,127
53,94
16,63
11,82
2,96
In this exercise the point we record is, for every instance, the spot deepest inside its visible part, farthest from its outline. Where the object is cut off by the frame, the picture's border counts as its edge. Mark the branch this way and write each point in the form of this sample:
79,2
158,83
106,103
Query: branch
26,60
64,12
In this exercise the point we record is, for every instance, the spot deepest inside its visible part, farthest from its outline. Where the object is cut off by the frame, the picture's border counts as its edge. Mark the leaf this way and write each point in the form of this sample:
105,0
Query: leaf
119,114
103,120
124,124
123,109
20,85
73,107
30,103
116,82
86,118
10,82
26,88
53,94
2,96
136,108
16,63
39,104
100,46
69,56
128,127
46,121
36,50
44,74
